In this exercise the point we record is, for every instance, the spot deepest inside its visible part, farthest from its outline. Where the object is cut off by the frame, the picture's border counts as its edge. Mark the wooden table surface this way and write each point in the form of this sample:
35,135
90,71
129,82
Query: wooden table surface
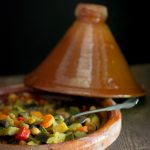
135,133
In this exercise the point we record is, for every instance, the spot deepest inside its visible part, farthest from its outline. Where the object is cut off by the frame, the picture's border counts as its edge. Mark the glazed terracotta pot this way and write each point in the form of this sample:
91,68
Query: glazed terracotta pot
87,61
98,140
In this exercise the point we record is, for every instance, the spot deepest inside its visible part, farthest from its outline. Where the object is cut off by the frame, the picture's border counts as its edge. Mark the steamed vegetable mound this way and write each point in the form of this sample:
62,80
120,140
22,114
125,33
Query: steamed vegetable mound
32,120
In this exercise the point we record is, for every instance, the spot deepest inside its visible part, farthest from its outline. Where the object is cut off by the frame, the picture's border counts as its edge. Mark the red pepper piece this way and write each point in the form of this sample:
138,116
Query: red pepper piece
23,134
21,118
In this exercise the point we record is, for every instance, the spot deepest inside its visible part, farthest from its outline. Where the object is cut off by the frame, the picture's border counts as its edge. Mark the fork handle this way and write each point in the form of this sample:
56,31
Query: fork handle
125,105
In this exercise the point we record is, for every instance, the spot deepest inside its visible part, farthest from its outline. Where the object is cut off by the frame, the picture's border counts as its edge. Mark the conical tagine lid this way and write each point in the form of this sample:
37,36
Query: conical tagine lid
87,61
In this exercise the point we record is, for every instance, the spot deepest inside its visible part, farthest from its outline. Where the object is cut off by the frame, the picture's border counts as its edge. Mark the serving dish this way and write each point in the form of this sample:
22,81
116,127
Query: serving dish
100,139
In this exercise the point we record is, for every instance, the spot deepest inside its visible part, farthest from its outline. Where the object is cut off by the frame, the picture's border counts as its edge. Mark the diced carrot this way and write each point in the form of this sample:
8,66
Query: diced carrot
82,129
5,110
47,121
16,122
3,116
37,114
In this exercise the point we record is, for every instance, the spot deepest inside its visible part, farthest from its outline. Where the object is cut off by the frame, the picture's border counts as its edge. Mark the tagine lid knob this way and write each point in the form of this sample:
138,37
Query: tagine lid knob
91,12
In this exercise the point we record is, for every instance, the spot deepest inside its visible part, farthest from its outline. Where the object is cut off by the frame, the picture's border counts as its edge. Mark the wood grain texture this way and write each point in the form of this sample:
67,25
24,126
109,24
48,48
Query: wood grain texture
135,133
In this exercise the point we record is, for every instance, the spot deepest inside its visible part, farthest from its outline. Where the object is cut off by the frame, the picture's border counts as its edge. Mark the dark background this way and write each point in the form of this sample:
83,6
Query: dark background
29,29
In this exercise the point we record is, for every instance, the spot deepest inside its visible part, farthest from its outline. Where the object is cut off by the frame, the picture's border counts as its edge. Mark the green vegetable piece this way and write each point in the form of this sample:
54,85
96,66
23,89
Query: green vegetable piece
69,136
93,124
56,138
33,139
44,131
62,127
59,118
74,126
11,131
10,121
24,114
74,110
17,109
95,120
22,124
31,120
2,131
51,140
79,134
32,143
42,137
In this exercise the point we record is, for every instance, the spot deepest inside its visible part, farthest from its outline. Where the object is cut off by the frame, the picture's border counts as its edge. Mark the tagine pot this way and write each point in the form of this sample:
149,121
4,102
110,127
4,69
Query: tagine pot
87,61
98,140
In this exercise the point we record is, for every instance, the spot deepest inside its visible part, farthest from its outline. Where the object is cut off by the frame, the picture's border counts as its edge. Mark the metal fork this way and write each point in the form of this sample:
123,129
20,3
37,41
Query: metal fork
80,117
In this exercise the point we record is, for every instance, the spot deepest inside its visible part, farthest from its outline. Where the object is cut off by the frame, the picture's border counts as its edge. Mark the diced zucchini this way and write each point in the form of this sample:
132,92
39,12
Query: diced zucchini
95,120
50,140
2,131
10,121
32,143
22,124
31,120
42,137
11,131
59,118
79,134
56,138
60,137
74,126
18,109
43,130
93,124
24,114
74,110
69,136
35,140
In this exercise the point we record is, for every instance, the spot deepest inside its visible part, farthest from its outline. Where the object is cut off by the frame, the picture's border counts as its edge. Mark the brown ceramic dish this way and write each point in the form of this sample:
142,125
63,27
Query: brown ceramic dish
98,140
87,61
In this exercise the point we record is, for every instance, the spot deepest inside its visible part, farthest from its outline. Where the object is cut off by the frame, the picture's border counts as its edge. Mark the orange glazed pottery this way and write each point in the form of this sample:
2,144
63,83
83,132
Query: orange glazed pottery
87,61
99,140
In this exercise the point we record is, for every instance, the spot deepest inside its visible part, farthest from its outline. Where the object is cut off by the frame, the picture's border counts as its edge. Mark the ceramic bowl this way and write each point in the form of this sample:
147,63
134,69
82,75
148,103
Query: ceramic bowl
98,140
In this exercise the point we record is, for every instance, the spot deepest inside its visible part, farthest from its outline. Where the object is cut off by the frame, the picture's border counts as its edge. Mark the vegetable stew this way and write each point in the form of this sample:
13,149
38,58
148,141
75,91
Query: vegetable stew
29,119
